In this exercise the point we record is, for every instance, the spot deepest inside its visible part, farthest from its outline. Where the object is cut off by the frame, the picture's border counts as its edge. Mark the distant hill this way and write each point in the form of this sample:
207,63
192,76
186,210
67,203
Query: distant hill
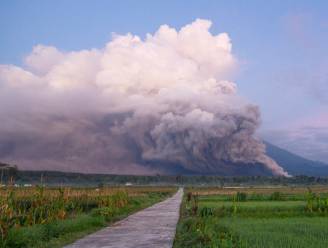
294,164
306,172
57,178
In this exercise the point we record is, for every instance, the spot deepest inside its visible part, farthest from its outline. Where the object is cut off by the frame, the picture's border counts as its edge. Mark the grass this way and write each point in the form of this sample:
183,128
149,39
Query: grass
301,232
255,204
54,234
262,191
267,220
59,232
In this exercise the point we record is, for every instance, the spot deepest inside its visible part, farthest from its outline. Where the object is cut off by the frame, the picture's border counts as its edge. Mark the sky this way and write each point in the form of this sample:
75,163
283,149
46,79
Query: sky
281,47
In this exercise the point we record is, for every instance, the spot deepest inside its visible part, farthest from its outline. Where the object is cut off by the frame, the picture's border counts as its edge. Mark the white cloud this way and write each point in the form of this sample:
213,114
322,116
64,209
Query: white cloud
306,137
170,93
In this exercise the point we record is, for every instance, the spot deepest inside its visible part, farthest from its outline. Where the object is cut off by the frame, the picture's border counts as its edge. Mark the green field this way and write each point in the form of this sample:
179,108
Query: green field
254,204
262,220
280,232
42,217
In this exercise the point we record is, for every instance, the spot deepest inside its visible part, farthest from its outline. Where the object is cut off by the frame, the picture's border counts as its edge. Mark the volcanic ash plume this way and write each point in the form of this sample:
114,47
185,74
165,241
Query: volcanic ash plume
167,98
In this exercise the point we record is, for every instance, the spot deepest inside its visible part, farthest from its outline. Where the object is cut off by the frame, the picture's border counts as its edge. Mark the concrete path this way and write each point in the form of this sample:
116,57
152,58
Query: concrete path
153,227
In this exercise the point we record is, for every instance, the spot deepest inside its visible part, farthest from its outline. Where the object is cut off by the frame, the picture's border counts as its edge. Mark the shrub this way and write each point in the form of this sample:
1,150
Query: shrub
276,196
241,196
206,212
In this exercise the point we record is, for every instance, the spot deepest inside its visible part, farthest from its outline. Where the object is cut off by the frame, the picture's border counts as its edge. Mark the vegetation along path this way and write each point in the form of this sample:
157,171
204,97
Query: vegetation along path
150,228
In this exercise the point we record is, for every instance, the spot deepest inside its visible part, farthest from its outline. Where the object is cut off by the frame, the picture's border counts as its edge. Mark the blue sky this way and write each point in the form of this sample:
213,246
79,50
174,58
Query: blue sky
281,46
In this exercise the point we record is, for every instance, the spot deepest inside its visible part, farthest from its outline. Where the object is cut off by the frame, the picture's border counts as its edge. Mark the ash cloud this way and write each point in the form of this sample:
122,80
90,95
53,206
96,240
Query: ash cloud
168,98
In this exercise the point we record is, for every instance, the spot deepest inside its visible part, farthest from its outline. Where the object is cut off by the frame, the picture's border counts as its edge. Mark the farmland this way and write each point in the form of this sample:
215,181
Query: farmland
267,216
254,217
51,217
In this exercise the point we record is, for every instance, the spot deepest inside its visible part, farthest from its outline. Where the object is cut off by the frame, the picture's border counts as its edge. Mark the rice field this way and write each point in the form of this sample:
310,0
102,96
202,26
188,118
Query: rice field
254,218
279,232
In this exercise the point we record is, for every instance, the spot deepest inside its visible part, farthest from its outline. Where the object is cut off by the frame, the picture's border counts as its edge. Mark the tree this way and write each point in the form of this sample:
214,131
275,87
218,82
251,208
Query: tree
8,171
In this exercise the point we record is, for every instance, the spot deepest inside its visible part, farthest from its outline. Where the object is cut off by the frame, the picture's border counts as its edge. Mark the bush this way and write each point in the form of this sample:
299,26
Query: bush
206,212
276,196
241,196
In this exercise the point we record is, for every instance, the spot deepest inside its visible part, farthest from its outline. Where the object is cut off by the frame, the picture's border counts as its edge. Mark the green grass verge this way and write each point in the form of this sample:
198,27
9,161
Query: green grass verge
54,234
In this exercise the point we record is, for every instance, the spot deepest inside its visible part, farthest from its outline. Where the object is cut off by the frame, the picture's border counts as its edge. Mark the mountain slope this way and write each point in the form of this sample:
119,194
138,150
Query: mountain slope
294,164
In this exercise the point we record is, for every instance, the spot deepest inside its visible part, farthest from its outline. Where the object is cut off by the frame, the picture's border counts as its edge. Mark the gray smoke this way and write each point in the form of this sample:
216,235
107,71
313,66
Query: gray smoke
167,98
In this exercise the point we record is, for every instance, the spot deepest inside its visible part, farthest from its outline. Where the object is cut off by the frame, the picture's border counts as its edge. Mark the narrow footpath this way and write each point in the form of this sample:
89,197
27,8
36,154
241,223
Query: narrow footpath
153,227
